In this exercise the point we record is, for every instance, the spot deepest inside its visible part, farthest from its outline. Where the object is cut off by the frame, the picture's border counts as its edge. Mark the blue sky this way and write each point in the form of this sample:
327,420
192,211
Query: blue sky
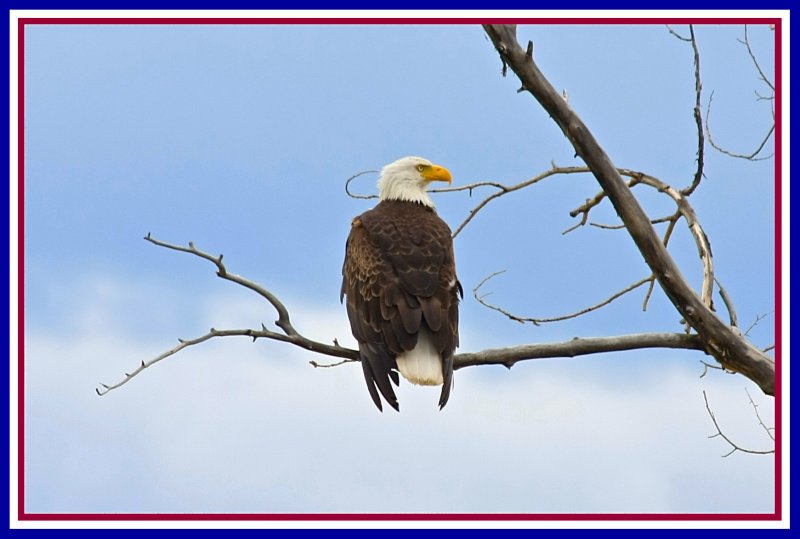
240,138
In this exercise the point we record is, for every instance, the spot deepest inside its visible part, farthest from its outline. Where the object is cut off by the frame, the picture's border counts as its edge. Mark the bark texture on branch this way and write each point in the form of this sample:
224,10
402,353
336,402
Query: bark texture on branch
723,342
577,347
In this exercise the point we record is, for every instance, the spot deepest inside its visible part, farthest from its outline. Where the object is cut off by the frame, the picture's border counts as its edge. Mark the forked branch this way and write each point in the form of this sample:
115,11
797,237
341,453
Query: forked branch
726,345
287,334
735,447
539,321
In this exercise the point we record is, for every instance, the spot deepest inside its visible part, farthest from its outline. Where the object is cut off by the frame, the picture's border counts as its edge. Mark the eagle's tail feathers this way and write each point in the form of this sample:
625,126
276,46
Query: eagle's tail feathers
423,364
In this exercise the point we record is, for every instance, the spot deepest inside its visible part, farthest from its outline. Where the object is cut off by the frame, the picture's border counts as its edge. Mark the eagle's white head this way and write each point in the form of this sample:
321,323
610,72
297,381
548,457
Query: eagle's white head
408,179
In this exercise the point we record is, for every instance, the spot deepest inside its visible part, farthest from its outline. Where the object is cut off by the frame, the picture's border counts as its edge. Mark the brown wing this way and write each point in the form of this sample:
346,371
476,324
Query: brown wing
399,273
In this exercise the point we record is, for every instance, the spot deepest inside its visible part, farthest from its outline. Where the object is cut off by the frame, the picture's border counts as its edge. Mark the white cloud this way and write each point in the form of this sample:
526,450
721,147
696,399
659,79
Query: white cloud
231,426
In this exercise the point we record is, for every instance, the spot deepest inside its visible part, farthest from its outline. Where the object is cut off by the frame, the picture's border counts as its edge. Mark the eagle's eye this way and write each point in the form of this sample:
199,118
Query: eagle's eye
420,167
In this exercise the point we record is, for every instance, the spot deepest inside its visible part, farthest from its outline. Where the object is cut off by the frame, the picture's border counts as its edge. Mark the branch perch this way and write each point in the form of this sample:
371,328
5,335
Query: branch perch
723,342
501,356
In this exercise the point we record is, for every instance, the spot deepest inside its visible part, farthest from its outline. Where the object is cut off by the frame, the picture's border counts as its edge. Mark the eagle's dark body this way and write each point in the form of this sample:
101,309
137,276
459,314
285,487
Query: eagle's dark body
399,277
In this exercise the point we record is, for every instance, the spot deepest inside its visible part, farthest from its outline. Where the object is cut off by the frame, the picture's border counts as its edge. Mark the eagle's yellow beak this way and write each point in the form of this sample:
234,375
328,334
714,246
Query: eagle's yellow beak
435,173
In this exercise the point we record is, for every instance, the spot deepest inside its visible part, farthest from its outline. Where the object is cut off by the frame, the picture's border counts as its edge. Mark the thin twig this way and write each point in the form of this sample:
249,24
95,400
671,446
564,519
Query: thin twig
767,429
720,434
289,335
753,156
671,221
501,190
684,208
283,321
470,187
539,321
353,177
590,203
759,318
621,226
676,34
601,225
185,343
707,366
764,78
329,365
582,222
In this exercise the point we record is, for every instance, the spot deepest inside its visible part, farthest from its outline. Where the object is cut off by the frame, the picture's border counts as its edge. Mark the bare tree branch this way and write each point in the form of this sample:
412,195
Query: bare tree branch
469,187
472,186
734,447
676,34
539,321
656,221
501,190
698,115
289,335
672,221
684,209
699,235
753,156
726,345
185,343
283,321
746,43
501,356
590,203
577,347
726,299
767,429
707,366
698,118
759,318
353,177
329,365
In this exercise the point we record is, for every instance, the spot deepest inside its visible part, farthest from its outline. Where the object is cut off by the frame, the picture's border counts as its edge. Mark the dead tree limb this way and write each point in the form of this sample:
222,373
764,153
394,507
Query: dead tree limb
721,341
501,356
697,111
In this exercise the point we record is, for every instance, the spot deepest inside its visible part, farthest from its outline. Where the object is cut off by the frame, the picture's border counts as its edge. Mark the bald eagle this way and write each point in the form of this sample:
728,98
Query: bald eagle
399,276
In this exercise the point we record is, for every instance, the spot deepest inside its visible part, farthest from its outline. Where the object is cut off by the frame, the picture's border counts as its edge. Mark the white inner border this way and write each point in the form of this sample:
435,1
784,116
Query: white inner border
15,15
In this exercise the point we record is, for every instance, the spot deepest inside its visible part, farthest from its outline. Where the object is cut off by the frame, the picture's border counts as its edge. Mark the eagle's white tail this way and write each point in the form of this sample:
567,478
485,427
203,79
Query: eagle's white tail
423,364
